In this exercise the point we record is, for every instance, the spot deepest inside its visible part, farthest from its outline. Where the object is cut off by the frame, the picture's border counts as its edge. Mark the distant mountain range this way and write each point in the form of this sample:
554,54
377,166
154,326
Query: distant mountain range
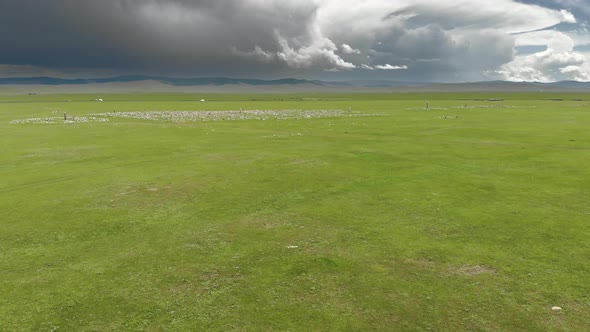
291,82
166,80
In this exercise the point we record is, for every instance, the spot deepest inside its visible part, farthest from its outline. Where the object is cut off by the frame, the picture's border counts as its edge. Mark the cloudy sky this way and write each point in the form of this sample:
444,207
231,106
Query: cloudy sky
400,40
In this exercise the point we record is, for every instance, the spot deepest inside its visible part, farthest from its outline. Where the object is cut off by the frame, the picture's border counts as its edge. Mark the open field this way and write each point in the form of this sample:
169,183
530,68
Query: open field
471,215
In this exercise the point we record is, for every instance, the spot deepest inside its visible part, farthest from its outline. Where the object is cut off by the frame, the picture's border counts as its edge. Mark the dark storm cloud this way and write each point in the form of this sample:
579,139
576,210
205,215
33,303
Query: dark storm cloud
197,36
67,33
401,39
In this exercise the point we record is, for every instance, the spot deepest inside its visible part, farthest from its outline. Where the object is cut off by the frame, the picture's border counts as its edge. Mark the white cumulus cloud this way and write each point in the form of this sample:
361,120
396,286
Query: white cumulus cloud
347,49
390,67
559,61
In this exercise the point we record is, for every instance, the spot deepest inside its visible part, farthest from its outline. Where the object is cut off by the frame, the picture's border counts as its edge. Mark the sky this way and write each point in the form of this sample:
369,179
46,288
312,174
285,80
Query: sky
397,40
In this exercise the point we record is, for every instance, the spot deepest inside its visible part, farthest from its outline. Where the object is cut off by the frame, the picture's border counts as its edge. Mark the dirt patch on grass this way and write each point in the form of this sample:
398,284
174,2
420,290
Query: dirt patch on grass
156,189
475,270
311,162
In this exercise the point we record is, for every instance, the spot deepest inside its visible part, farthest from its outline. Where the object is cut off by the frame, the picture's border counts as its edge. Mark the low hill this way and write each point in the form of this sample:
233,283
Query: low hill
158,83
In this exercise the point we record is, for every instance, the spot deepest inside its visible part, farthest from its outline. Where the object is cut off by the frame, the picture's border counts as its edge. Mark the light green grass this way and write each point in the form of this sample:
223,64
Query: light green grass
406,221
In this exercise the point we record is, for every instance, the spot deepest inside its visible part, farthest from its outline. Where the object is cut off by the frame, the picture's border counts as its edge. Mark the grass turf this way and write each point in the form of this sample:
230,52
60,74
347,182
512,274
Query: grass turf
451,218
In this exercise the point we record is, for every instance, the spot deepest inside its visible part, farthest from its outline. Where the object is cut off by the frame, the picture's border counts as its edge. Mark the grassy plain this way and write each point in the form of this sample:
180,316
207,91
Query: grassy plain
445,219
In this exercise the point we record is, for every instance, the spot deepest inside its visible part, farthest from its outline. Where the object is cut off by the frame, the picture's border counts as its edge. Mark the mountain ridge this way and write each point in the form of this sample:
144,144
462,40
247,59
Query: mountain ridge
286,82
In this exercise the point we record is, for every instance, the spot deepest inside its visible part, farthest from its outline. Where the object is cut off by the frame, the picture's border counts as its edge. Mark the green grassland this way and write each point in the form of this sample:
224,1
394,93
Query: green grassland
455,218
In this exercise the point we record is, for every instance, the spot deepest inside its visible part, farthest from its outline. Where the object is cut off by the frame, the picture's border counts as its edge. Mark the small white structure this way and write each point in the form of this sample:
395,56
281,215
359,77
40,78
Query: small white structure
203,100
99,99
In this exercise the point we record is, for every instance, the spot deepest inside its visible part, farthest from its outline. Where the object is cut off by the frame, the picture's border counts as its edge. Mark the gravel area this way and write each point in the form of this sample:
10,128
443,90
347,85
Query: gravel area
60,120
191,116
194,116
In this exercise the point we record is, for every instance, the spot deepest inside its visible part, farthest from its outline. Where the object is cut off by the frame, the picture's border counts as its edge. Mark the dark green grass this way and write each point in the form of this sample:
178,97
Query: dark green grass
404,221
